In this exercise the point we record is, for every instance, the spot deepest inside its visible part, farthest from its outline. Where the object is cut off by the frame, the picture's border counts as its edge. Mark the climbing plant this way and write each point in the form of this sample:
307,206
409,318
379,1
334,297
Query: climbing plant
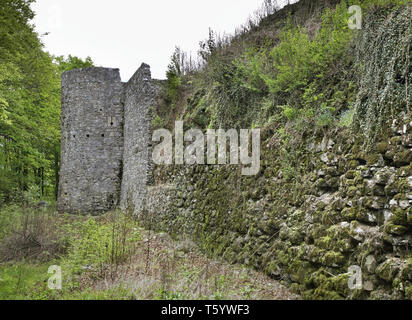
385,70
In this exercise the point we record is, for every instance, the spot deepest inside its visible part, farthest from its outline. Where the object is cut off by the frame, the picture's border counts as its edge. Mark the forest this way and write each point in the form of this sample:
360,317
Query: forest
29,107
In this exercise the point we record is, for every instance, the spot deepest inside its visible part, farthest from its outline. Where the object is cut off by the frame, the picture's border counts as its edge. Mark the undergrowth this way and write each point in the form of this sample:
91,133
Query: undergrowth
302,73
307,72
112,258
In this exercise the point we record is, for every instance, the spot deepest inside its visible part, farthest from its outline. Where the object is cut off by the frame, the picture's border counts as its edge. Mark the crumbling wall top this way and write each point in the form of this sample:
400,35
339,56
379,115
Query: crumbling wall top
90,75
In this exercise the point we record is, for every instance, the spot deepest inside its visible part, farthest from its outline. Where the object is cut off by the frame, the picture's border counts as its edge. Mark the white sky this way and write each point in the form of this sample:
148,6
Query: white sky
124,33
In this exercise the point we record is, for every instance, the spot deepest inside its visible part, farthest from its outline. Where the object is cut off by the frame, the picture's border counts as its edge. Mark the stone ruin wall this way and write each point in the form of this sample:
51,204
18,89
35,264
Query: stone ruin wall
105,133
92,140
140,98
350,208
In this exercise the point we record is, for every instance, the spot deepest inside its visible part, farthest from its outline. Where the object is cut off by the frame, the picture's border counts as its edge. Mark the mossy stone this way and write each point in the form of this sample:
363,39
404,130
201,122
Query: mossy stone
399,217
353,164
353,191
333,259
389,269
409,216
406,273
349,214
394,229
408,292
403,158
382,147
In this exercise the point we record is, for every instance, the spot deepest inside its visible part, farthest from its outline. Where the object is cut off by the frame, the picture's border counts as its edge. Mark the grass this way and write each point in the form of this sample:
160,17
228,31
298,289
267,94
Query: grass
17,280
112,258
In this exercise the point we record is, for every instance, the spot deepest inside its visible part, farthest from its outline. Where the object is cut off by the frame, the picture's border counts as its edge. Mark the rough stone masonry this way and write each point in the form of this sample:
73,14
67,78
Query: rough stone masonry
105,138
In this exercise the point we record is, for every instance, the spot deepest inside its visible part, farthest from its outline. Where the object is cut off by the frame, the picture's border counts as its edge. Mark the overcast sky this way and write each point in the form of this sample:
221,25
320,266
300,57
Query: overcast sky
124,33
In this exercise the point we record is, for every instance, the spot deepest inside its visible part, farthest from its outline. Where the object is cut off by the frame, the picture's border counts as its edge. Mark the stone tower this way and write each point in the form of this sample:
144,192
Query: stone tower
92,140
140,95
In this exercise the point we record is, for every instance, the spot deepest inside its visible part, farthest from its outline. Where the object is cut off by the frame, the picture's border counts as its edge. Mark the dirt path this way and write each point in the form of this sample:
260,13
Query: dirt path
164,269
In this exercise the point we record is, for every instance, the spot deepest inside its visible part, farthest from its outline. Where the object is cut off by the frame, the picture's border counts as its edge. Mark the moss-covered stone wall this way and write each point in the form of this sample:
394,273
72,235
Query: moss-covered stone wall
335,186
345,206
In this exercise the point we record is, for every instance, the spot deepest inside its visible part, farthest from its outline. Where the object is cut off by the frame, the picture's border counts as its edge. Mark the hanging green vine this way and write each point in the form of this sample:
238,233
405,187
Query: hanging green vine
385,71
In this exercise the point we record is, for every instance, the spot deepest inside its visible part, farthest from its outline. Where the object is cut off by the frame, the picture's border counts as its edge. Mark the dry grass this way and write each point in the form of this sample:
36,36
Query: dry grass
136,264
177,270
33,235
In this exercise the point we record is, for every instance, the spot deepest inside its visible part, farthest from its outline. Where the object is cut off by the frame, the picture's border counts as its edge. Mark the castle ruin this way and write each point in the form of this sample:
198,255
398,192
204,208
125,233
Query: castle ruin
105,128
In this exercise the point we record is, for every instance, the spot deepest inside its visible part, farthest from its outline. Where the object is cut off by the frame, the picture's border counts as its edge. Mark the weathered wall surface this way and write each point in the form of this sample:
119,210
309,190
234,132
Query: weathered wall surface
140,97
92,140
346,207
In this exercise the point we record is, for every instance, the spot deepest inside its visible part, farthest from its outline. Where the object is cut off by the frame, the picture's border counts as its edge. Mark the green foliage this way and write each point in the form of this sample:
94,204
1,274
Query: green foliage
310,67
31,233
292,61
29,87
3,111
18,279
384,70
289,113
71,62
107,250
179,70
244,89
8,217
346,119
158,122
254,68
227,101
234,101
174,75
176,66
29,106
297,59
95,246
163,294
208,47
173,83
325,117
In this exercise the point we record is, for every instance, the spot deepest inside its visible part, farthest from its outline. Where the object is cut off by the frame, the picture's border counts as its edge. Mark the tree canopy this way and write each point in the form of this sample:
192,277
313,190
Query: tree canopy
29,105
